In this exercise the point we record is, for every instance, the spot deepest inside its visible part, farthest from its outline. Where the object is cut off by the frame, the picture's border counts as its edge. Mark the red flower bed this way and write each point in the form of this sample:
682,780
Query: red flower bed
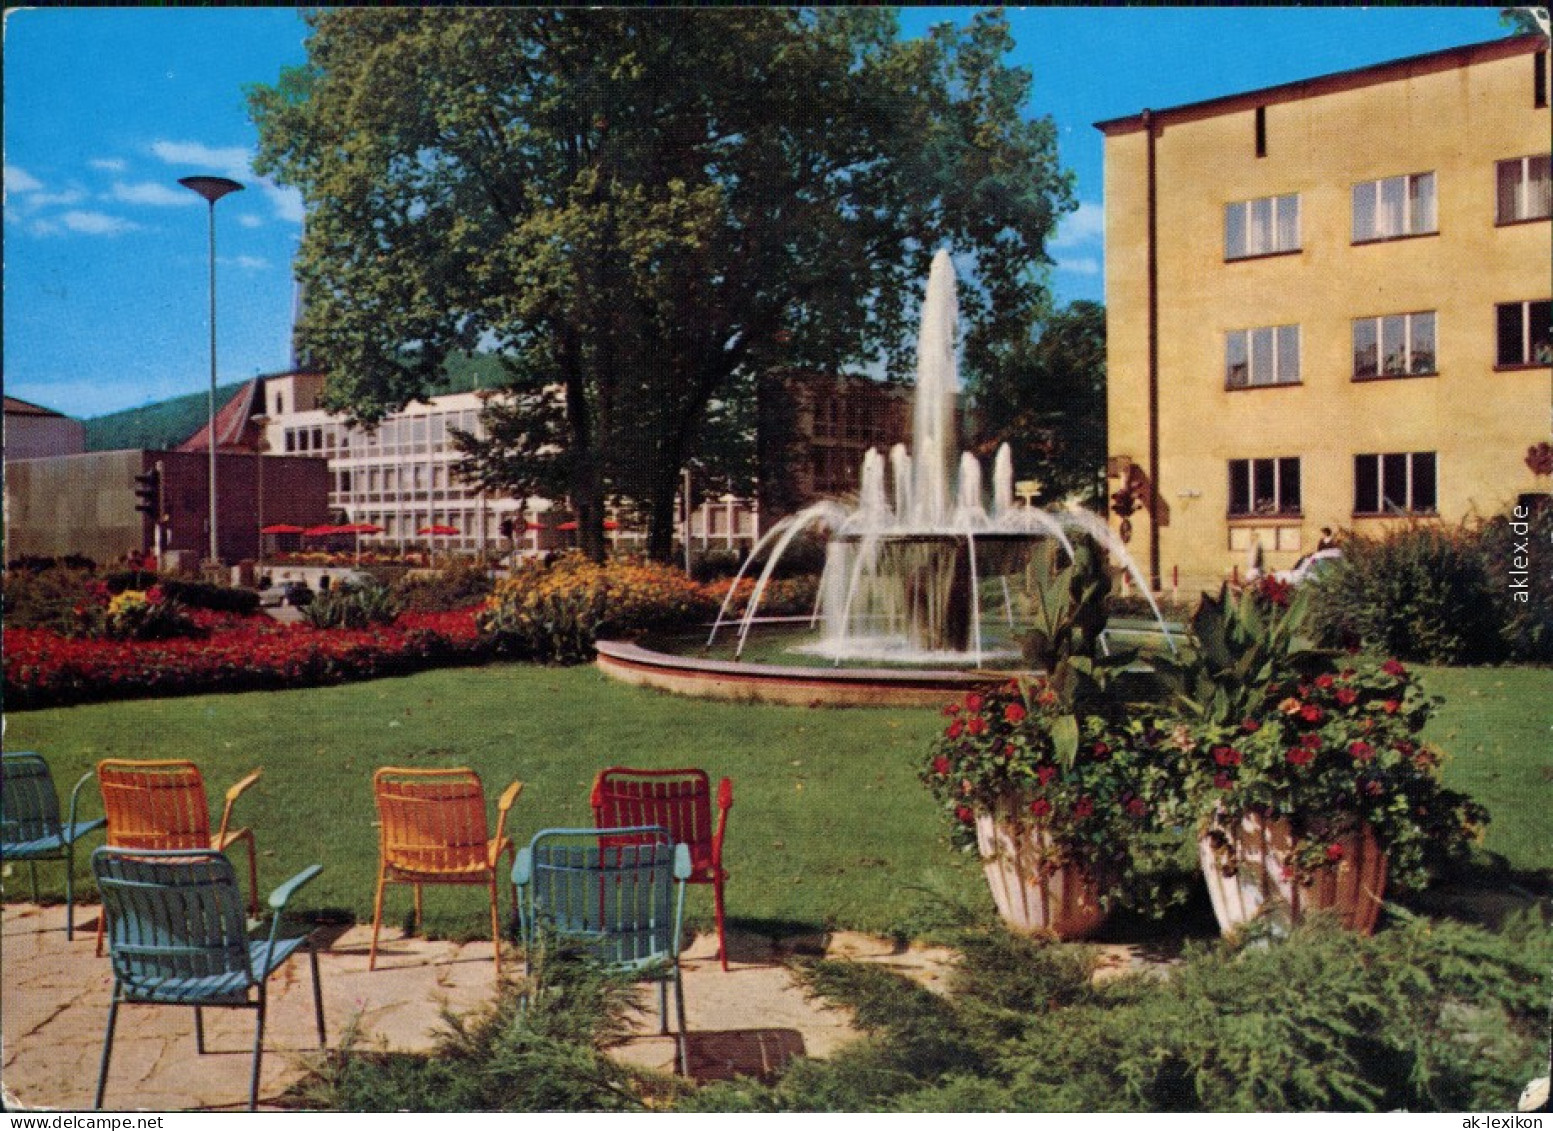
43,669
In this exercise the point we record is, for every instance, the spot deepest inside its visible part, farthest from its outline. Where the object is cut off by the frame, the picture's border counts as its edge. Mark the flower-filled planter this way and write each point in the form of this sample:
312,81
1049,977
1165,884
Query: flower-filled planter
1056,806
1031,886
1253,875
1306,770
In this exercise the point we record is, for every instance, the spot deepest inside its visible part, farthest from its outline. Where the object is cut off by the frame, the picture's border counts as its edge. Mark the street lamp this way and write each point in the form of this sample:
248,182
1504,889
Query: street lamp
212,189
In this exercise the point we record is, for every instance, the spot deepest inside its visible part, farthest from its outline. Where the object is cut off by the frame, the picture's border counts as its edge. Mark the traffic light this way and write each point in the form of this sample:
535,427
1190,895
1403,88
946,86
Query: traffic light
148,490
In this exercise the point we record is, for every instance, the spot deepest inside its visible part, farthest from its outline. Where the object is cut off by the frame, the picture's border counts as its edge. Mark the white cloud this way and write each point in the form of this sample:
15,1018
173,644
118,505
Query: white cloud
1083,265
234,162
287,202
246,262
45,199
249,220
230,161
152,192
96,224
108,164
1083,225
19,180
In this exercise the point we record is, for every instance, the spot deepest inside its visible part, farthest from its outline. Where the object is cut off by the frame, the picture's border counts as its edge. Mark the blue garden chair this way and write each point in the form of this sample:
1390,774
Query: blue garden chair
619,894
32,830
178,935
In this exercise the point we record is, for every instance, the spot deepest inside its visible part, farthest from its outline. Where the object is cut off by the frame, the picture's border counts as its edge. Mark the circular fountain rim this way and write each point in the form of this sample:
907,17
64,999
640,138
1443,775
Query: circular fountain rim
737,681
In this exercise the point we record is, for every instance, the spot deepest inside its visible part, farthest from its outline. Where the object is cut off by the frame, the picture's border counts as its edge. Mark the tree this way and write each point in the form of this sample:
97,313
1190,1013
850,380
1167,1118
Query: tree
635,207
1045,397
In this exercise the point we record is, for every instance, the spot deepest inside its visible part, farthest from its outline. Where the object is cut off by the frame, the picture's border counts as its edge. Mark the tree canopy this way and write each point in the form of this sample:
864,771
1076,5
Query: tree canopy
637,207
1045,397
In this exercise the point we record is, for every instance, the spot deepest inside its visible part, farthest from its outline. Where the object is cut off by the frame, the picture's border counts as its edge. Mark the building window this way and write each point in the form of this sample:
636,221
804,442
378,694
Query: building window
1268,226
1395,483
291,440
1394,207
1268,355
1264,487
1539,80
1261,131
1394,345
1525,332
1525,189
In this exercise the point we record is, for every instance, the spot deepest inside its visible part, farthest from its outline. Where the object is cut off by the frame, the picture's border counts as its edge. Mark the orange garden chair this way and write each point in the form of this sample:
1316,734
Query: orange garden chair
432,830
161,806
681,802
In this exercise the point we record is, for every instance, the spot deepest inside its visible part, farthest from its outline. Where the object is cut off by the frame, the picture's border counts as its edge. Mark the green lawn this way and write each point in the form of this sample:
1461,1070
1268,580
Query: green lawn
829,828
829,825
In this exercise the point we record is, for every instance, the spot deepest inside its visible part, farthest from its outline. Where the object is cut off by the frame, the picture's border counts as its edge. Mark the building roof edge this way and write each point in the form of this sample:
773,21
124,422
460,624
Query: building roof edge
1369,75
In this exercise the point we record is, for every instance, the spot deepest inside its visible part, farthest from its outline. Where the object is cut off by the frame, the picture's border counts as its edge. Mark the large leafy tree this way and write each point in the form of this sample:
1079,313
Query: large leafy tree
636,207
1044,396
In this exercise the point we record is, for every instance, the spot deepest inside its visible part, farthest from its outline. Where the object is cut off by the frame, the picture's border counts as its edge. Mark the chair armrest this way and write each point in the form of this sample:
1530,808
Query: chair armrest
509,796
75,795
282,895
682,862
523,866
231,796
724,804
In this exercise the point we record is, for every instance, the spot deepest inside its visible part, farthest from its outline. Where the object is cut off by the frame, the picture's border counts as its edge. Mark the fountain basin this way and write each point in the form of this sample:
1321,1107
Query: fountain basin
740,682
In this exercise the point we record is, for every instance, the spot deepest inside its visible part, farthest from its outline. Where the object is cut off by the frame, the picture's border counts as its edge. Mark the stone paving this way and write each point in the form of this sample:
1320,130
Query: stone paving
54,1004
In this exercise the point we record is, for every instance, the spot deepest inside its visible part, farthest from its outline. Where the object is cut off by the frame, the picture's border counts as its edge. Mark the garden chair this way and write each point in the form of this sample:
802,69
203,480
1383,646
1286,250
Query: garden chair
177,936
619,894
161,806
432,830
680,801
30,828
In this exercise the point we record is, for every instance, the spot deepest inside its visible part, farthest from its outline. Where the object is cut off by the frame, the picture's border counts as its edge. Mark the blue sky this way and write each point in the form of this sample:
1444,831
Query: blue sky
105,255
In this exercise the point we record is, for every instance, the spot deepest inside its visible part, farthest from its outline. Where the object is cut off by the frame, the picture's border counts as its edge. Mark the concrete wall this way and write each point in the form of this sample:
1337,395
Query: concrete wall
85,504
1454,120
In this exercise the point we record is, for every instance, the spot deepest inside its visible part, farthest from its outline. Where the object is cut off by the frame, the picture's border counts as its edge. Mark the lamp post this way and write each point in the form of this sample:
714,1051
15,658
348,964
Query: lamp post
212,189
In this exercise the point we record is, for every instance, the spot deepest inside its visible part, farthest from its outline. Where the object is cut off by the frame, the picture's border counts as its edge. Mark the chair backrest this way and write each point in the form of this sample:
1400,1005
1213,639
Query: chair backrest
677,800
29,806
619,892
154,805
174,917
431,820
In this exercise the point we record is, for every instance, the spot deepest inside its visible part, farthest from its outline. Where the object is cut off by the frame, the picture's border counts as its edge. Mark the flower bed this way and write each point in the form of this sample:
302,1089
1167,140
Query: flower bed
44,669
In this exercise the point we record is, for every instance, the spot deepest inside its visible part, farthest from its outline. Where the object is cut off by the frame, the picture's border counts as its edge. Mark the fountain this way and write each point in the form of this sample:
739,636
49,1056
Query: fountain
909,566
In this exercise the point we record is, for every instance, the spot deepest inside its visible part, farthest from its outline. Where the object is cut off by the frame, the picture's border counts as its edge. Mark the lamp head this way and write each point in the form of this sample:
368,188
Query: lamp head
211,188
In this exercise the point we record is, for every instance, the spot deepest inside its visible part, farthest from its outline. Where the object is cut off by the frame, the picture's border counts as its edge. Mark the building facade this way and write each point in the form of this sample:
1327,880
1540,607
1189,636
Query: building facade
814,429
1329,306
33,432
87,503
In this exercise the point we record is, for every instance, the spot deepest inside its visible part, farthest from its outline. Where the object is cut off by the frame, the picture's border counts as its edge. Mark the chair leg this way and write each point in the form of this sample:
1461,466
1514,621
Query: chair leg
107,1049
318,993
663,1008
258,1055
417,908
102,919
199,1029
70,892
496,923
684,1029
377,918
722,933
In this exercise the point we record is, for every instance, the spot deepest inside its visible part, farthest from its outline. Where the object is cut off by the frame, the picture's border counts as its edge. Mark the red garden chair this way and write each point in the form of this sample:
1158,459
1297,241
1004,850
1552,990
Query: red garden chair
681,802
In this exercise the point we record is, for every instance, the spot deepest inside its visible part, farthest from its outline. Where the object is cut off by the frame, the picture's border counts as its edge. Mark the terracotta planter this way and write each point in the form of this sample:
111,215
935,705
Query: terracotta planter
1030,895
1263,886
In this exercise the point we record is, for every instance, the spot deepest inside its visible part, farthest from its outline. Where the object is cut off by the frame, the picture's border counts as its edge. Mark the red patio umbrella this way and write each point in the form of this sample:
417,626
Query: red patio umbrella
320,531
283,528
568,525
609,524
440,530
358,528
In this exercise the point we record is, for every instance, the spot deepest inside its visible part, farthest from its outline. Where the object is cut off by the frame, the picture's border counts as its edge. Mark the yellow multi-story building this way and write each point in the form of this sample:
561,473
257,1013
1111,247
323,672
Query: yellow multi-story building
1329,307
